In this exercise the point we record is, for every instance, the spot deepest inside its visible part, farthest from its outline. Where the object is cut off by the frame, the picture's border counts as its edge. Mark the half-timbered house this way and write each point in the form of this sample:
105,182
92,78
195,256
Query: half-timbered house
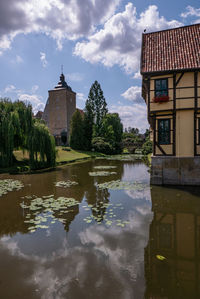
170,68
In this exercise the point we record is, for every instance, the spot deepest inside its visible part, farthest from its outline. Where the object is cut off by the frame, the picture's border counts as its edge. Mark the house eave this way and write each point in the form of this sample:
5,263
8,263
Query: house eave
172,71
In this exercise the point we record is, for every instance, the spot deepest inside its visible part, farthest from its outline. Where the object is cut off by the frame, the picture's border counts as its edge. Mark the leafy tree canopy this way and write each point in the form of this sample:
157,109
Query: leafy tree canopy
18,130
98,107
77,131
112,130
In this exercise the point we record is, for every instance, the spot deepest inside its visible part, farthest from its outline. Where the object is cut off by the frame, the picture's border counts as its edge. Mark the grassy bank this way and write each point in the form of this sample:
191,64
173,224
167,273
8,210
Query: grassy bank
67,155
64,155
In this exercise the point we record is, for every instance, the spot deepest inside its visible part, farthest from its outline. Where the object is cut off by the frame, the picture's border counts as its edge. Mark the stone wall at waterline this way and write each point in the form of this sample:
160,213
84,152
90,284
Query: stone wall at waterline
175,170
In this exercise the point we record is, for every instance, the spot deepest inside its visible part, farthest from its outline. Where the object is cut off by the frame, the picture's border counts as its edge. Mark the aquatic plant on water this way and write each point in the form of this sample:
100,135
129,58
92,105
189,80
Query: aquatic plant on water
8,185
109,217
101,173
39,210
120,185
104,167
121,157
65,184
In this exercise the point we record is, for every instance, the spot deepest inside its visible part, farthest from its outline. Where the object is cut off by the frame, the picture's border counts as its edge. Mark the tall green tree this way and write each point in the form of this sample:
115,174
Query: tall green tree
98,106
76,131
88,125
112,131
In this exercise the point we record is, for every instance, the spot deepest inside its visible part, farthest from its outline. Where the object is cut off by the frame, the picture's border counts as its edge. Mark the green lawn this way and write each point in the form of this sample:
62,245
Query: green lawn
20,156
64,154
69,155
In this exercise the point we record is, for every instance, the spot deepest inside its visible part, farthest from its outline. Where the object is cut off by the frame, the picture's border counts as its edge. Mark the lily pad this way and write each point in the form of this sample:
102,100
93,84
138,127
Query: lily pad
104,167
44,208
9,185
102,173
122,157
160,257
65,184
120,185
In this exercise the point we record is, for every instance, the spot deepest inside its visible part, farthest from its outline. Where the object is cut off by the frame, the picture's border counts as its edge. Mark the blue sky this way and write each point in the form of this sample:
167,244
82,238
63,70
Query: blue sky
93,39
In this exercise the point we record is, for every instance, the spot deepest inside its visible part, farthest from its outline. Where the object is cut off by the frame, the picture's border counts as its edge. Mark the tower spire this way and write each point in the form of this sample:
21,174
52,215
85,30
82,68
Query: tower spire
61,68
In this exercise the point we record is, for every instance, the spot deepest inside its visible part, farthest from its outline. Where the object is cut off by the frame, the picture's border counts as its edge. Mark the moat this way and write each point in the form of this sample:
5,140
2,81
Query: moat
99,230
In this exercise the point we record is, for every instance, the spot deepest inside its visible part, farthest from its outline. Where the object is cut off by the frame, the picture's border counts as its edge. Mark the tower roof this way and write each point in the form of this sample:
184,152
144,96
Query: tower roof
62,83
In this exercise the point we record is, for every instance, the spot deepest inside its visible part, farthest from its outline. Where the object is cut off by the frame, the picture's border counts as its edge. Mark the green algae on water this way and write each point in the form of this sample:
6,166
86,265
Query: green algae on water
9,185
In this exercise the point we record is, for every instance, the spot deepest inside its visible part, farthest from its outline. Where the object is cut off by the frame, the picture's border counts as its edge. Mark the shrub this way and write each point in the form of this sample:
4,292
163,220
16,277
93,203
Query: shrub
147,147
100,145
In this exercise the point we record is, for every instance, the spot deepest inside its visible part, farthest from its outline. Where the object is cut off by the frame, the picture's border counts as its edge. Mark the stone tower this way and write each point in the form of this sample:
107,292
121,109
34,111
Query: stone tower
60,106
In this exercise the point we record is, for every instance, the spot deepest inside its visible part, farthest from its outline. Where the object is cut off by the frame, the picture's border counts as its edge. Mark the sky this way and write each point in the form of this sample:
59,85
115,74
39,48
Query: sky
93,40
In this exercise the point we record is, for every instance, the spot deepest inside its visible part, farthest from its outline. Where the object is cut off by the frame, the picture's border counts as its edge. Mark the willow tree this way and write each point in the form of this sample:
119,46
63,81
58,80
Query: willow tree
41,146
15,125
19,130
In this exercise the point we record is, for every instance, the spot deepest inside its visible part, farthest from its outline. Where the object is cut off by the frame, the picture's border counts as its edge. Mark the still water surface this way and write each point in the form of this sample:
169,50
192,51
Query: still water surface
138,242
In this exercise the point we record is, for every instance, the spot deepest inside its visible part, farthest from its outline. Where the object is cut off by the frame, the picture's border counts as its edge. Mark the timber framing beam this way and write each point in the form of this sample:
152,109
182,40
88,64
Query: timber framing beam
179,79
195,111
160,148
174,113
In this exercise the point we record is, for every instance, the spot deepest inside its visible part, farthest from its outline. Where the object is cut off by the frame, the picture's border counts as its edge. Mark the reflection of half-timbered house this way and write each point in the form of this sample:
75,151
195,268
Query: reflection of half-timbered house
170,66
172,256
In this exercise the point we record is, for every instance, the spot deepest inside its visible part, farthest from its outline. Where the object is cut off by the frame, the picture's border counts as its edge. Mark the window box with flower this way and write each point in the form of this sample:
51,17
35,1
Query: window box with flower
161,99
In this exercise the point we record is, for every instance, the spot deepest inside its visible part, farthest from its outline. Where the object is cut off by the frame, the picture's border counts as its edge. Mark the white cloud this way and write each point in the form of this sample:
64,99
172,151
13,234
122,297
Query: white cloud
119,41
75,77
133,94
19,59
134,116
43,59
10,88
59,19
5,42
30,97
34,100
34,88
81,96
137,75
191,11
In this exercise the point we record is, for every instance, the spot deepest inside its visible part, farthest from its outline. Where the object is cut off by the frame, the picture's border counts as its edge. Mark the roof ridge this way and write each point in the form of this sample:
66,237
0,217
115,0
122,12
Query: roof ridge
169,29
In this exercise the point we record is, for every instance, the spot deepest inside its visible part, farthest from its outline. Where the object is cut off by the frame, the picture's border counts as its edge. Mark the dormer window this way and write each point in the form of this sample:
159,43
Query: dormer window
161,87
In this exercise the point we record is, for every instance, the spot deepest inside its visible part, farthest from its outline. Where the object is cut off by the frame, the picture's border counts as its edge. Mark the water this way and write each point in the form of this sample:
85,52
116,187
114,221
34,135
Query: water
139,242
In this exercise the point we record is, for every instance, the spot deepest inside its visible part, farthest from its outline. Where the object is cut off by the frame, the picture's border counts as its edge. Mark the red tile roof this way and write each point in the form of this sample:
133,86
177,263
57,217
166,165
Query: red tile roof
39,114
173,49
81,111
